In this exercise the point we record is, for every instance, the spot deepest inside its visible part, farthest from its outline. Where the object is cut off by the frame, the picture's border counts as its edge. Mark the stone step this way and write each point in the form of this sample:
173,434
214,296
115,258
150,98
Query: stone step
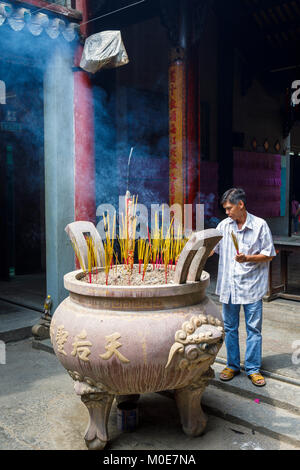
43,345
260,417
16,321
30,304
278,393
273,410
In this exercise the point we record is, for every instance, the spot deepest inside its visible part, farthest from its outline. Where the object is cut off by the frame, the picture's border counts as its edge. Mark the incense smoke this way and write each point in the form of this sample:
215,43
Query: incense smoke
24,59
141,124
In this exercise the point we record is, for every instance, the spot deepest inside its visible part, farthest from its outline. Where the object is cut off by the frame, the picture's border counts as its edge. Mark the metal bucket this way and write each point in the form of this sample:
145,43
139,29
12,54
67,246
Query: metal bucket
127,416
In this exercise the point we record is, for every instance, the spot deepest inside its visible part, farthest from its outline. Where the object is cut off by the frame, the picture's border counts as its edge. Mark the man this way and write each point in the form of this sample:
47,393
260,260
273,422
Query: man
295,214
243,280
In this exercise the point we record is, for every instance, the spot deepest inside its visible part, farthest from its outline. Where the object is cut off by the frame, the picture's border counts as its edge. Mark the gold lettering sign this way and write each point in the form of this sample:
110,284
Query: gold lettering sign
81,346
52,325
61,339
112,346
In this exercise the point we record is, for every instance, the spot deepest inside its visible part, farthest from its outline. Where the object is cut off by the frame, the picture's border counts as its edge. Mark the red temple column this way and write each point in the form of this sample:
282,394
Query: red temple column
184,131
184,116
85,204
177,106
177,147
185,25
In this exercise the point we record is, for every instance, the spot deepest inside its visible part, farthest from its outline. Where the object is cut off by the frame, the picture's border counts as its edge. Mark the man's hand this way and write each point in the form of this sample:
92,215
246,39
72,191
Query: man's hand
241,258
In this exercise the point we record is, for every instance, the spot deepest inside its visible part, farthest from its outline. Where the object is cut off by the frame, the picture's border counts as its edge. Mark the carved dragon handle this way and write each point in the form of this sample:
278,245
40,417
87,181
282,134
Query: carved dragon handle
194,255
199,338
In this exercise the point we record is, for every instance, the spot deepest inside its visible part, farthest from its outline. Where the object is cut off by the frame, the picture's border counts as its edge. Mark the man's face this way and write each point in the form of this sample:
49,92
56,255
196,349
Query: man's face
234,211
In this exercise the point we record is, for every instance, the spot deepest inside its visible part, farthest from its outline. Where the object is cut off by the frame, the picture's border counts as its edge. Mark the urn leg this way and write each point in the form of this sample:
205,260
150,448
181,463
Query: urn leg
99,405
188,400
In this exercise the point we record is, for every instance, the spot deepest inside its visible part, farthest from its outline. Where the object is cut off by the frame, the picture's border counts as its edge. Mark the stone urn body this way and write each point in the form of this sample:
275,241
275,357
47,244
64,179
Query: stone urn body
116,341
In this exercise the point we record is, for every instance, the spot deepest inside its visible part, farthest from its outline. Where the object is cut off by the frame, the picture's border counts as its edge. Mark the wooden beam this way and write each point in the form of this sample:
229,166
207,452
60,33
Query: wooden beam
283,27
235,11
252,40
267,4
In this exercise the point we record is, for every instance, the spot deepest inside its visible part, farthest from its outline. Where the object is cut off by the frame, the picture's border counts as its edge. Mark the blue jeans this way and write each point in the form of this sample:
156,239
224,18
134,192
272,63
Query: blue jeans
295,222
253,319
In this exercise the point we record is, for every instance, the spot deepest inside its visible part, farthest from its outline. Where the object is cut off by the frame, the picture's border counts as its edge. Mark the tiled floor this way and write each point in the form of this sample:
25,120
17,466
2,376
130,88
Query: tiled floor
21,304
26,290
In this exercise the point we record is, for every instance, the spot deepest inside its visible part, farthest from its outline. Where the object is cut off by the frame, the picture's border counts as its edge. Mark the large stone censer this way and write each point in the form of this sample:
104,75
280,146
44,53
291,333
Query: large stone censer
128,340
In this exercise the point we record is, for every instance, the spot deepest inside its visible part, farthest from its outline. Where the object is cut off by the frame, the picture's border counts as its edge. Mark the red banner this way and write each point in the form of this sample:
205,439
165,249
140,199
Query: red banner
259,174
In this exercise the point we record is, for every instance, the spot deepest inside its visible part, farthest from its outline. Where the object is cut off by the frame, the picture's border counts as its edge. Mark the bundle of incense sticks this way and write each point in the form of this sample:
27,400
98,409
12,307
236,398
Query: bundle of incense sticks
109,245
92,261
156,242
90,256
162,249
179,243
166,256
235,242
131,203
141,252
167,248
123,241
147,255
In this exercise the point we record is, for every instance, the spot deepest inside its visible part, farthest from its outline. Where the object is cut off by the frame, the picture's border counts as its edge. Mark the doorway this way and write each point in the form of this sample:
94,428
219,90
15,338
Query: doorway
22,187
294,183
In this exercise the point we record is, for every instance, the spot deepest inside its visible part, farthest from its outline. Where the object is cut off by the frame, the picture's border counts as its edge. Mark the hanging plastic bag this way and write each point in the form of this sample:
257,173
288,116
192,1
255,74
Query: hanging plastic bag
103,50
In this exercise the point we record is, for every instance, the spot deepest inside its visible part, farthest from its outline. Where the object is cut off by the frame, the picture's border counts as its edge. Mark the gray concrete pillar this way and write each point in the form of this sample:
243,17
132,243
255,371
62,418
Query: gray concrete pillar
59,168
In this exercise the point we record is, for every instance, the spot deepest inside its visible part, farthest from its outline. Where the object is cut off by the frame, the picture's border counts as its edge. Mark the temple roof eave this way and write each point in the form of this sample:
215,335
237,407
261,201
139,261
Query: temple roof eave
37,21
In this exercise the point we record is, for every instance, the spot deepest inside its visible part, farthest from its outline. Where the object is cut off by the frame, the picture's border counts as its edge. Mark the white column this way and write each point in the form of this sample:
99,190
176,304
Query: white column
59,168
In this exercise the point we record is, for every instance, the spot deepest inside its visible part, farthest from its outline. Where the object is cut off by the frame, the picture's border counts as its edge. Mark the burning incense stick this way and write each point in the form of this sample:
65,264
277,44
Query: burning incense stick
166,256
123,240
141,252
235,242
146,259
92,256
109,245
156,241
131,226
131,150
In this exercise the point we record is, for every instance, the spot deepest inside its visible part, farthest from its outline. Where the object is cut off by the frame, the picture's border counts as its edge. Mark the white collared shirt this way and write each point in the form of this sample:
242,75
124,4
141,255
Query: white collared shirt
244,282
